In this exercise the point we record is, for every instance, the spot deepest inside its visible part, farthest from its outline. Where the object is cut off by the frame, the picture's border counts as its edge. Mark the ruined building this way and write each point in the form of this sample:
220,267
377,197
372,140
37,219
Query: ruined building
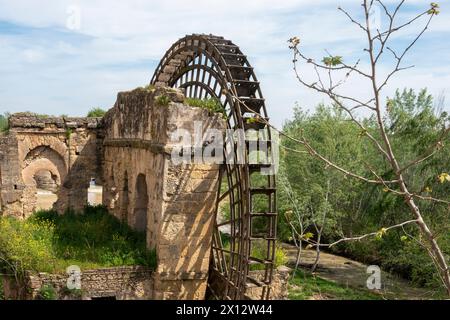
128,155
128,152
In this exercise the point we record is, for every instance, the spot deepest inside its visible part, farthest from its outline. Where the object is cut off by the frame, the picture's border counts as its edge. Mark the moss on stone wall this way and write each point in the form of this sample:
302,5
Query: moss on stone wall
212,105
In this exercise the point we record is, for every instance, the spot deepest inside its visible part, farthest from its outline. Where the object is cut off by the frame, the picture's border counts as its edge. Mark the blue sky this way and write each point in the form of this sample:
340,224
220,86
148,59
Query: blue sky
49,66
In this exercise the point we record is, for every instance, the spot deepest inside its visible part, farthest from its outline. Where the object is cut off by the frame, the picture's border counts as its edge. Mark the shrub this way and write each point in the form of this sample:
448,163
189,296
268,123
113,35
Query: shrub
47,292
212,105
259,251
148,88
74,293
26,245
4,126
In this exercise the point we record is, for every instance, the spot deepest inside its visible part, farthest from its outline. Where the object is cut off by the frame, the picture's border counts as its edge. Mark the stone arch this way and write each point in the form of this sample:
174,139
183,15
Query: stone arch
38,160
141,203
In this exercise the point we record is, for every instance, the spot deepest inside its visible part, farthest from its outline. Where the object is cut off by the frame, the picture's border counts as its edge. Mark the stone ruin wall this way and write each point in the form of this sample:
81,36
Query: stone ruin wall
120,283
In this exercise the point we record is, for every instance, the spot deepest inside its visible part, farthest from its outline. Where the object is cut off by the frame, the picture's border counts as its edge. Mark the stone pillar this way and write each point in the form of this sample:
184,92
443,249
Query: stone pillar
181,196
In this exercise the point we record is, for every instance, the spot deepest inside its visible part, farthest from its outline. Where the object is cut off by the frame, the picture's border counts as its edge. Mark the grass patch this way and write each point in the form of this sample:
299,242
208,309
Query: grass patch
48,242
212,105
304,286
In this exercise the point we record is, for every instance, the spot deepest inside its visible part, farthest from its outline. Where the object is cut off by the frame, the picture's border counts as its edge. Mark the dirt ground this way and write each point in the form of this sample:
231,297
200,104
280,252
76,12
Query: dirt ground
351,273
46,199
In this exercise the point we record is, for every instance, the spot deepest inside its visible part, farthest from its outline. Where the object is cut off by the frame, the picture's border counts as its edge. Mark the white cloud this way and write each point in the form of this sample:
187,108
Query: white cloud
119,43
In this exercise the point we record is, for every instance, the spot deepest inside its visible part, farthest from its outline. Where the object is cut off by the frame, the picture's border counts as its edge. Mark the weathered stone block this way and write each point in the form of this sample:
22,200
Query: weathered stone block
129,152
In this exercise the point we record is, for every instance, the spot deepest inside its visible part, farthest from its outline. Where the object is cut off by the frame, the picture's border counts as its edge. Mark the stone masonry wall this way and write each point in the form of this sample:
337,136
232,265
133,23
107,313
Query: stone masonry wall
67,147
181,198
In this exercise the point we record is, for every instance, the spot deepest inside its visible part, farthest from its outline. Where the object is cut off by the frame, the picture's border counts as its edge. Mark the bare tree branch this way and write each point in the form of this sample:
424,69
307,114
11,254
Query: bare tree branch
361,237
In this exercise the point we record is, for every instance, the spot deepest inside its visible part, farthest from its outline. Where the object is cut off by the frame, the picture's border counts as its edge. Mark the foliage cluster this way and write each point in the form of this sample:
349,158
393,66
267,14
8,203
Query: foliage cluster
322,196
48,242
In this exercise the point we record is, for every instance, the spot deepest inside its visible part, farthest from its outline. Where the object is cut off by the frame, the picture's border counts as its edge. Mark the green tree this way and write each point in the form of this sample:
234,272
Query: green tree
355,207
96,113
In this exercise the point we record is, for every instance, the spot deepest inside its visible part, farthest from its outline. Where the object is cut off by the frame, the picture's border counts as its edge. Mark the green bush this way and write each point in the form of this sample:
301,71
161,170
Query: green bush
48,242
26,245
74,293
47,292
96,113
212,105
2,293
309,189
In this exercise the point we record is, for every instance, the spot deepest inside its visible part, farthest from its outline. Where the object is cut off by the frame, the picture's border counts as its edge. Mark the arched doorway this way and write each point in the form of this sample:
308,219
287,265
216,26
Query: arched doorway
140,204
43,173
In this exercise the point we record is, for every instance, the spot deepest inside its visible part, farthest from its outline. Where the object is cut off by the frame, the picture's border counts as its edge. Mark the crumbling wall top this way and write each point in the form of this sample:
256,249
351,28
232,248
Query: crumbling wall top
28,120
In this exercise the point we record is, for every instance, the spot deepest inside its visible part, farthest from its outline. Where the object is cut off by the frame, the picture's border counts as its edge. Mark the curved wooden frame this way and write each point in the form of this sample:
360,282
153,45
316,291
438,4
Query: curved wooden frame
211,66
